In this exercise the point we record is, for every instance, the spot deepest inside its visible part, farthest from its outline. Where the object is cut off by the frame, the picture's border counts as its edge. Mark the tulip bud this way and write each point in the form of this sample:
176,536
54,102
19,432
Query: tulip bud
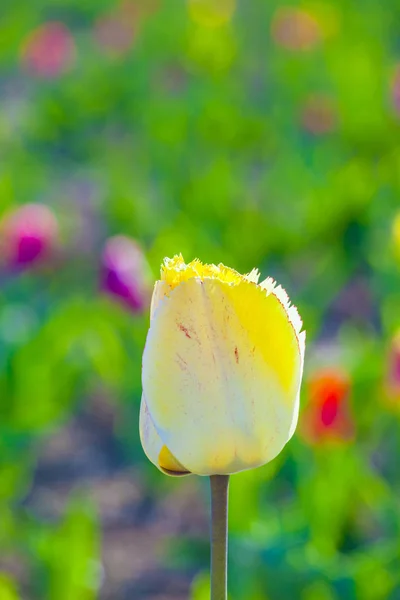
327,417
125,273
29,236
222,369
49,50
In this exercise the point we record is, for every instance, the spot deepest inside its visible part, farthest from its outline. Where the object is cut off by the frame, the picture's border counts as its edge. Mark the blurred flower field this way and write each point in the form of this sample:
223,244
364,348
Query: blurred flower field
257,134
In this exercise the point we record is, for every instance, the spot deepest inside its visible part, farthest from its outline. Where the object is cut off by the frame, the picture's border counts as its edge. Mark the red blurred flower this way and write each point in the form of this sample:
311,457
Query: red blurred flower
49,50
125,273
295,29
318,115
28,236
327,416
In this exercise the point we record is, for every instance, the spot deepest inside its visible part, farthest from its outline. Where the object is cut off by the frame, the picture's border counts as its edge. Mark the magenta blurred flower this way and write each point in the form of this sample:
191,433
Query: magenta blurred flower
125,273
28,235
49,50
295,29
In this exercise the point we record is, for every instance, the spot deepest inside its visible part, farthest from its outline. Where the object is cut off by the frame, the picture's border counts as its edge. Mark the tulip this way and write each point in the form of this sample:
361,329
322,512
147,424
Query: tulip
222,368
125,273
29,236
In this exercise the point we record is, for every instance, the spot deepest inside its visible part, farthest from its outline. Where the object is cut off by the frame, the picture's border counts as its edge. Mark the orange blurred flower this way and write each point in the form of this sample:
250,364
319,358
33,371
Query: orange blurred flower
327,417
295,29
28,236
49,50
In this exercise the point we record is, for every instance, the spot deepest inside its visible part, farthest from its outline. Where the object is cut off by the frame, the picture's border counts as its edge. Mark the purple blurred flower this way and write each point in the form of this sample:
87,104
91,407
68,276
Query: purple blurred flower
125,274
49,50
28,236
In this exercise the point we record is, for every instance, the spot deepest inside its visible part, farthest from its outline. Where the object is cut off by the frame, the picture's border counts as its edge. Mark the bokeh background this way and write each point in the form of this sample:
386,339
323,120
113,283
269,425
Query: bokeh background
256,133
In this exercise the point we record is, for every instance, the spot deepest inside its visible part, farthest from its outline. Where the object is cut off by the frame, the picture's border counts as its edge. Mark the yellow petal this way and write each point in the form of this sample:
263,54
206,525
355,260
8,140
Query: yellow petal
221,374
154,448
174,271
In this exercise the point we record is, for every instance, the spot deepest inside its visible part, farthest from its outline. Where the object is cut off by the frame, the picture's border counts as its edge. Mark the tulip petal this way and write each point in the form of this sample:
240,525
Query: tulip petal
161,289
154,447
221,374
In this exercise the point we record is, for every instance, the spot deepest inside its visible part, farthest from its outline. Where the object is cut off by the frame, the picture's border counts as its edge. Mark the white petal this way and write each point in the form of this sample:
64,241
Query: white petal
161,290
153,445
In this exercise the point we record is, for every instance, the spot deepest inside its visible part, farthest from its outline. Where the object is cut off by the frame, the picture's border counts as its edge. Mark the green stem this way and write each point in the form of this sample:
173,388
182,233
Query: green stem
219,536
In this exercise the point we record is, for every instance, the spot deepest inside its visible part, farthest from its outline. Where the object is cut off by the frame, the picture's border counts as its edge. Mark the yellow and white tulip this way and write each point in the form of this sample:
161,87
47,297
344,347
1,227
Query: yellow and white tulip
222,368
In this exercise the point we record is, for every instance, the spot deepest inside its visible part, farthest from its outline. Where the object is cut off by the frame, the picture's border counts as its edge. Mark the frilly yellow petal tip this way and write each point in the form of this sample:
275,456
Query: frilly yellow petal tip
271,287
174,271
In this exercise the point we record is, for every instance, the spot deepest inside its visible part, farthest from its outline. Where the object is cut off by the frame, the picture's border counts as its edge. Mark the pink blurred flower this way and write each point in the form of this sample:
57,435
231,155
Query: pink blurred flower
28,236
125,274
318,115
327,417
295,29
49,50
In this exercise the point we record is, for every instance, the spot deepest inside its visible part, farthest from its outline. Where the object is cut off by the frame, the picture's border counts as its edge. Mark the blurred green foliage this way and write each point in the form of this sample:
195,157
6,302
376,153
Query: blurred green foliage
252,133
